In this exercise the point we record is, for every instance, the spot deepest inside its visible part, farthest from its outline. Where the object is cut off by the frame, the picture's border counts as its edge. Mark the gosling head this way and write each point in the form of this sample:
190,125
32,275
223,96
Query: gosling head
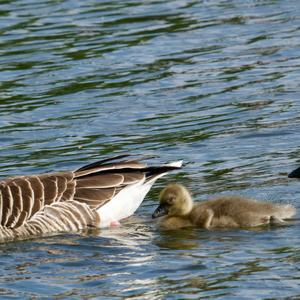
174,200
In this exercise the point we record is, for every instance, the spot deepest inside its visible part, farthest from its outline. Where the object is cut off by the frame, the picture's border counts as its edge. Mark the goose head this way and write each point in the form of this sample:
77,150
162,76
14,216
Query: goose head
174,200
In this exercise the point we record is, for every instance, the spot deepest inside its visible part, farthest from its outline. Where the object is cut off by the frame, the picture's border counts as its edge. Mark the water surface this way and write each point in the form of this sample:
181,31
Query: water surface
214,83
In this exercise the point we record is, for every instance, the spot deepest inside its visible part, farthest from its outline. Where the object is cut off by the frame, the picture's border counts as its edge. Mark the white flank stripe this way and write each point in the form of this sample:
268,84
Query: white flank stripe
43,191
30,198
10,206
21,205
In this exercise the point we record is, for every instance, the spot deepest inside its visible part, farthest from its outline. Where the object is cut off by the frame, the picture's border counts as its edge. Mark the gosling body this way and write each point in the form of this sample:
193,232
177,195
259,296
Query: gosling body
179,211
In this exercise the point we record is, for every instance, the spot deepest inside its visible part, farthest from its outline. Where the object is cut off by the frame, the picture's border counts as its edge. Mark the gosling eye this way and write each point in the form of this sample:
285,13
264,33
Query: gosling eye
171,200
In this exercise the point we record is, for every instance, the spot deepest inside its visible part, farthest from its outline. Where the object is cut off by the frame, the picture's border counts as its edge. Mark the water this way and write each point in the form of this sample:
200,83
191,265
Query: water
214,83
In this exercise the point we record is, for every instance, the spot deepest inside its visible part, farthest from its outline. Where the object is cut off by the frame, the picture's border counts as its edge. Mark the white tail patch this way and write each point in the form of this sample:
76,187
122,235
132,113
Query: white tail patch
177,164
124,204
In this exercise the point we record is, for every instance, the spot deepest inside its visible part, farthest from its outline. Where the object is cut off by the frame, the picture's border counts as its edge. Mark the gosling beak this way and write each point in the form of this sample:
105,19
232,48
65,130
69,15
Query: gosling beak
161,210
295,173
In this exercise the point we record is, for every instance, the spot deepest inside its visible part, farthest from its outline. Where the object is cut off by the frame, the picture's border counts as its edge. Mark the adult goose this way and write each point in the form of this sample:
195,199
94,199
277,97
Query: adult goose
98,195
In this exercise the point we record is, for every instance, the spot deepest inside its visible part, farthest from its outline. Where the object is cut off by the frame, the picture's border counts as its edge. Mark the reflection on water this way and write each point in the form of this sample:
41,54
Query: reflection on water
211,82
138,261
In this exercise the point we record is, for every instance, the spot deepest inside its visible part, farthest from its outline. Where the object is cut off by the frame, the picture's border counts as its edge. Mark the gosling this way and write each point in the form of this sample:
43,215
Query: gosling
178,211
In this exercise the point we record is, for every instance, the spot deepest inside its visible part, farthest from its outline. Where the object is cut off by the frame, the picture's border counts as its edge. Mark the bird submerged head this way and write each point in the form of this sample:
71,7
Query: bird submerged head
174,200
295,173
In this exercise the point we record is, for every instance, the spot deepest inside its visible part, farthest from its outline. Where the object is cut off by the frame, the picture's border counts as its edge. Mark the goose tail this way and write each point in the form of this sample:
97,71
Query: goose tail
175,164
127,201
153,173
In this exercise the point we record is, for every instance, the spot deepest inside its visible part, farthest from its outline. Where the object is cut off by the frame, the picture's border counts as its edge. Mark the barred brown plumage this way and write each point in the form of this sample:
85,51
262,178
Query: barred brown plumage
70,201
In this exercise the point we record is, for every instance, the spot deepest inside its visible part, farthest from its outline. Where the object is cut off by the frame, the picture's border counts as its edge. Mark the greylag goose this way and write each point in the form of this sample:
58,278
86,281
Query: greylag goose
99,195
179,211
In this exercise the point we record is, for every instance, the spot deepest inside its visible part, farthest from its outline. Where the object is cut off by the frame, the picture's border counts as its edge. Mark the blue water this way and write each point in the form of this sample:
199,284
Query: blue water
214,83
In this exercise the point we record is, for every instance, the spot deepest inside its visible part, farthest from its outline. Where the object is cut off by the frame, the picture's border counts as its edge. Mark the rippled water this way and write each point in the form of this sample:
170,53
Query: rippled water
214,83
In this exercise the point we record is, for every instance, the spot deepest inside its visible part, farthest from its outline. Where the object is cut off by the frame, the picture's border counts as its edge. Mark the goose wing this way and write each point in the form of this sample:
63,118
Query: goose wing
22,197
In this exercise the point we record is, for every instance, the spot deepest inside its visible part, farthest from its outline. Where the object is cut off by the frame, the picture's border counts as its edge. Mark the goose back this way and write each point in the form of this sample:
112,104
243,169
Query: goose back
67,201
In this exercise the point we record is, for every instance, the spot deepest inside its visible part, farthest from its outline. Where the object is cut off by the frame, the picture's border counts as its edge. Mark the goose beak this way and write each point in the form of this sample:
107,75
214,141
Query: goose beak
295,173
161,210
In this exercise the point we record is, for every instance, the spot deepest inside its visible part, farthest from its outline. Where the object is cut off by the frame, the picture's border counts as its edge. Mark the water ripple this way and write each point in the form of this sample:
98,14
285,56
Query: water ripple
214,83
